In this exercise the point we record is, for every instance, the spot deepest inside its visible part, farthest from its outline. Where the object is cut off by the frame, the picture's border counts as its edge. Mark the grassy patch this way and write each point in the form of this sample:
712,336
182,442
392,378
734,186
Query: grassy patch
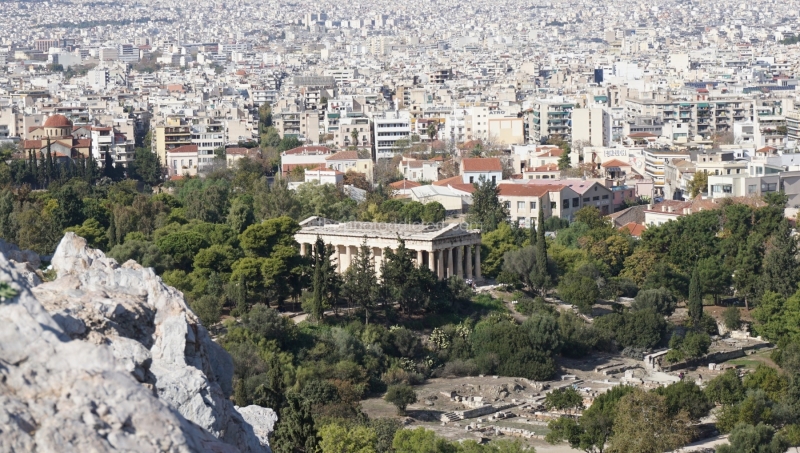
486,303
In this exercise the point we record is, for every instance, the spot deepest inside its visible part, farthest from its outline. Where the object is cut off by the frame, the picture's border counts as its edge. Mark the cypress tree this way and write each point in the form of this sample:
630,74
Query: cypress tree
42,171
318,282
540,276
108,166
695,301
49,171
779,274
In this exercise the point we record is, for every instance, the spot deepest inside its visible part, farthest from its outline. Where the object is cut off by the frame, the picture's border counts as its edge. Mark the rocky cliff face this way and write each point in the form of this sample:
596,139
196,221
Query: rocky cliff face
107,357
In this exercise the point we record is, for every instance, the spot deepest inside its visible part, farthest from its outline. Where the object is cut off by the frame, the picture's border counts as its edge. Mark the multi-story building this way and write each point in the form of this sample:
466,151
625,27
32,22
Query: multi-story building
208,135
291,120
591,126
793,126
353,123
654,161
550,118
174,132
389,128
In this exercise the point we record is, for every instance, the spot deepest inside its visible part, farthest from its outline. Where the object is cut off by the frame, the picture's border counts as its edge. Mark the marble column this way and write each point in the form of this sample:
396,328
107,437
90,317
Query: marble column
460,261
431,262
469,262
450,263
440,264
419,258
377,254
349,254
478,262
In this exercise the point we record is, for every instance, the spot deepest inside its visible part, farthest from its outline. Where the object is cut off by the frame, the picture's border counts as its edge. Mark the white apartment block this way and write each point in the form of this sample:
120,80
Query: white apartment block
389,128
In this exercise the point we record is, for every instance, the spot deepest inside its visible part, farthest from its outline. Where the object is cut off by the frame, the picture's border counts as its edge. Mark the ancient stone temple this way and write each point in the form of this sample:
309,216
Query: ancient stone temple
446,249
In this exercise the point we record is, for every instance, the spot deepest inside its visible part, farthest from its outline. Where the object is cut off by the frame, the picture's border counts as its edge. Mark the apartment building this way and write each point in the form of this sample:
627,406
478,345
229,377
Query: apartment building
353,123
291,120
174,132
506,131
757,180
208,134
550,118
388,129
523,202
654,161
591,126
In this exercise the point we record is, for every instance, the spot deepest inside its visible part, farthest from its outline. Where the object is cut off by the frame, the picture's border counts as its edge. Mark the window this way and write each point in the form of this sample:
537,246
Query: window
553,205
575,202
507,204
471,179
751,188
586,200
533,205
190,163
566,203
769,187
175,163
494,179
595,198
605,197
520,206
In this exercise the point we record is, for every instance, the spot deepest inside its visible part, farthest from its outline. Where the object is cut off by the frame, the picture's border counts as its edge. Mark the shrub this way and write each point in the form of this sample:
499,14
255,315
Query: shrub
460,368
208,309
731,318
401,395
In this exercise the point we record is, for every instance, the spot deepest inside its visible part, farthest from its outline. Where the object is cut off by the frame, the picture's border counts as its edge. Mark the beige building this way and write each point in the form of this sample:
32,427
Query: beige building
591,126
446,249
507,131
345,161
174,132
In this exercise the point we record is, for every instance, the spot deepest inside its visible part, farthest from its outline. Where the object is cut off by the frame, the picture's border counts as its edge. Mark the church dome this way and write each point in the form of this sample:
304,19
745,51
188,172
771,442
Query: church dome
58,121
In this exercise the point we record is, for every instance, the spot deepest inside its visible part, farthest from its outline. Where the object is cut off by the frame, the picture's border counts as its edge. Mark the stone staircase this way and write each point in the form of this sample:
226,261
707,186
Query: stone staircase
449,417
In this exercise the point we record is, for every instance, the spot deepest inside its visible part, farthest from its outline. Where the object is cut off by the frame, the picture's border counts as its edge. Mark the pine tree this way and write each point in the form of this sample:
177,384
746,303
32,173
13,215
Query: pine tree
486,211
780,273
695,301
540,275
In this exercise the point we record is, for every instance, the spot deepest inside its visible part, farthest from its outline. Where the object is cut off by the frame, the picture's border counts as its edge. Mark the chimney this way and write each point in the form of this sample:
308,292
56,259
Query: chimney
663,208
649,207
670,209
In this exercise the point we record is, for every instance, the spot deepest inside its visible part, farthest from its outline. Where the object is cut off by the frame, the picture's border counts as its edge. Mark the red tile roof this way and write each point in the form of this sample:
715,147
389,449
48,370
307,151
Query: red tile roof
635,229
449,181
344,155
183,149
482,164
469,188
525,190
615,163
309,149
551,152
404,184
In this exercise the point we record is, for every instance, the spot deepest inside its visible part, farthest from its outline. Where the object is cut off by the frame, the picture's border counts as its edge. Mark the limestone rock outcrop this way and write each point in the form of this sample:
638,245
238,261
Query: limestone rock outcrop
107,357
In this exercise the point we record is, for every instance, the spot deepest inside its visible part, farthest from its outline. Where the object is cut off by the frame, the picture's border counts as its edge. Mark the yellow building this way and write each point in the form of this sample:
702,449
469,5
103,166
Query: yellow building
174,133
